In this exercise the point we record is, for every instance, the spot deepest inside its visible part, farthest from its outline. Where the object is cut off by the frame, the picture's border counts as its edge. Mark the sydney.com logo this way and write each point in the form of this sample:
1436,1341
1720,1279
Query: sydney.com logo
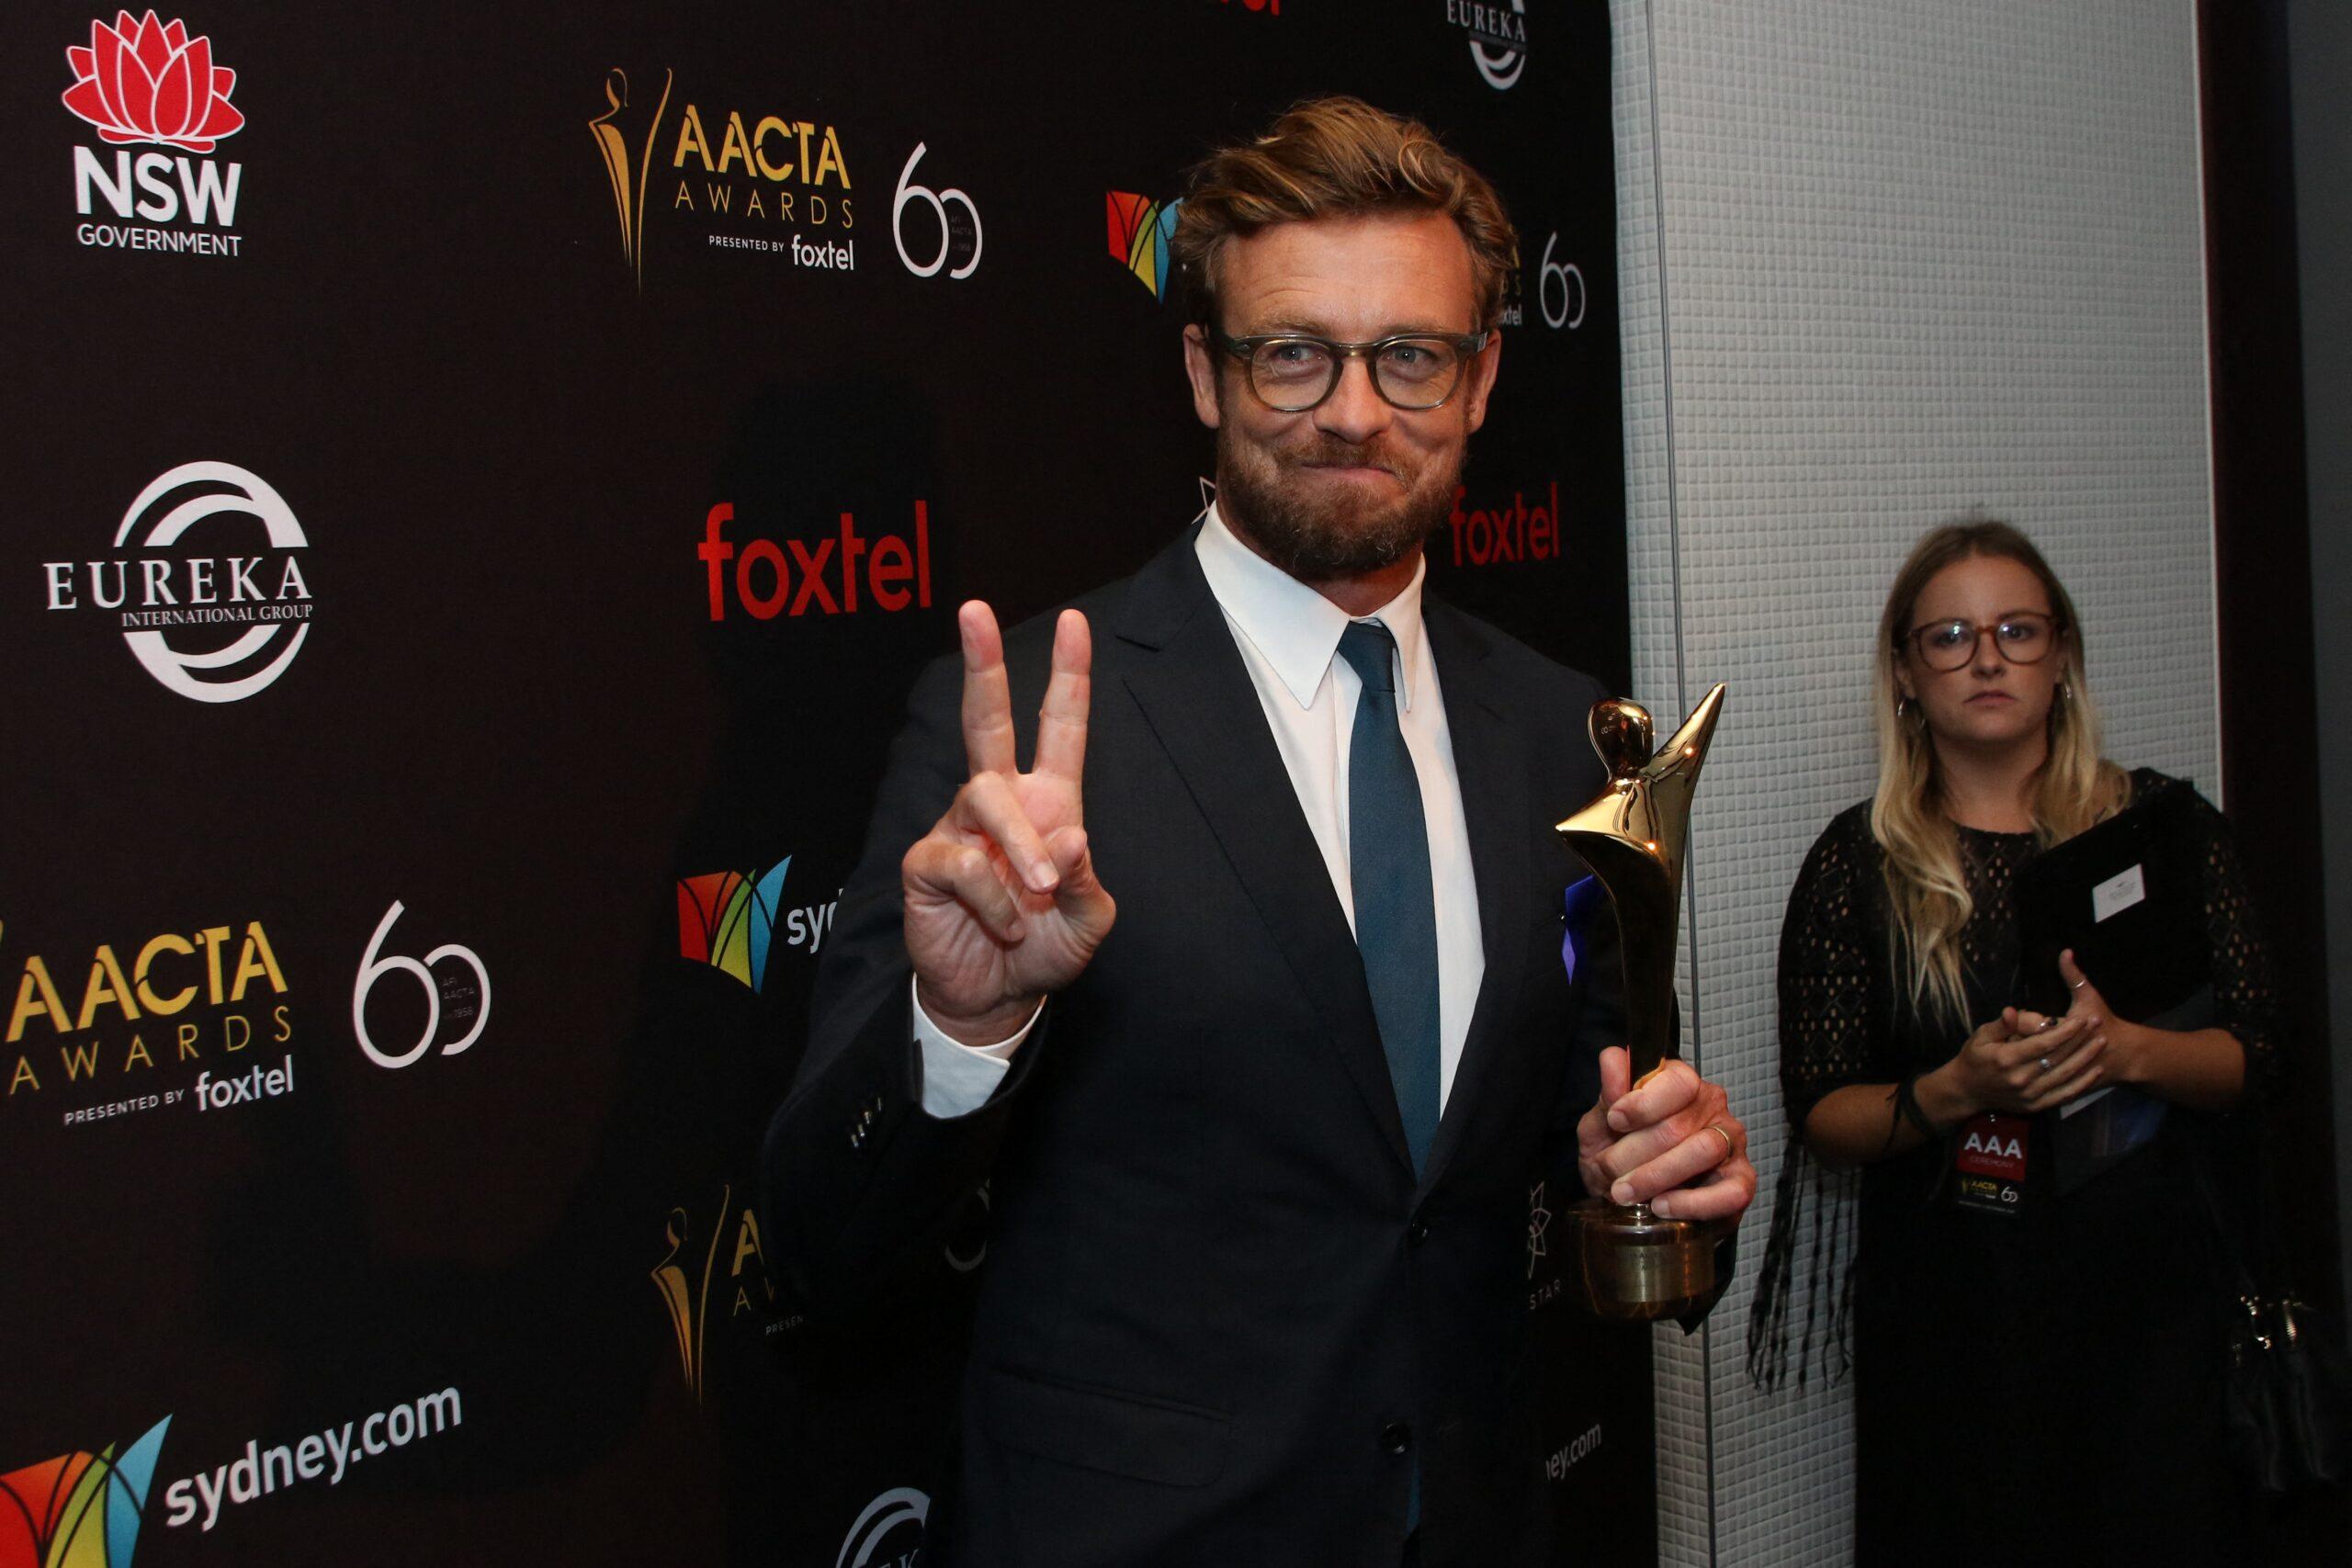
82,1510
730,919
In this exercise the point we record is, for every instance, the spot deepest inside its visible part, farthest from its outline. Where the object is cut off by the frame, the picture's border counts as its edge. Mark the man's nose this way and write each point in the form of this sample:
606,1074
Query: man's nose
1355,412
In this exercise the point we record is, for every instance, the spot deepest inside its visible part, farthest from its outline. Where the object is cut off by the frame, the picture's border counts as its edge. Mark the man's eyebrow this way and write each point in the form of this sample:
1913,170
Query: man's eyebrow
1293,326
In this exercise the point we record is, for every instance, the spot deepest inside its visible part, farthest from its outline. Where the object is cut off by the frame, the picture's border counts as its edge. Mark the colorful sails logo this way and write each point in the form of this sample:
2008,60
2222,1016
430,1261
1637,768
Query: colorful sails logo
727,919
1139,231
80,1510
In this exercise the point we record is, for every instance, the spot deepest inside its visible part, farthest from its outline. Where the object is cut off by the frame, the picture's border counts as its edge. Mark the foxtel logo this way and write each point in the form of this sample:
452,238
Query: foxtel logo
825,578
1496,535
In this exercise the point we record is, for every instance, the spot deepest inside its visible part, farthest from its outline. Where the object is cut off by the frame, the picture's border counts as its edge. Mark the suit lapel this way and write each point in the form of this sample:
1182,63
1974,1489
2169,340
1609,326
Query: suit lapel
1490,760
1196,695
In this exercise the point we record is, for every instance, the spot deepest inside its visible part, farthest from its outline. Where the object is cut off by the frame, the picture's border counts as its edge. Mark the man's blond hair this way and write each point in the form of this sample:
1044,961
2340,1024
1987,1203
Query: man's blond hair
1339,157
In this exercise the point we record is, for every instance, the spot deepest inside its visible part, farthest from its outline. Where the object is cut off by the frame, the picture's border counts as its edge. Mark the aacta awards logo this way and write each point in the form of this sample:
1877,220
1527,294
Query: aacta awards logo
753,180
1139,231
765,579
79,1510
147,83
1497,35
684,1277
192,1017
731,920
153,583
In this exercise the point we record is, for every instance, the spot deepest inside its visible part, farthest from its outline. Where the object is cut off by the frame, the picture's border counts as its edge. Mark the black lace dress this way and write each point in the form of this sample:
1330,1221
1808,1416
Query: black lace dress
2033,1386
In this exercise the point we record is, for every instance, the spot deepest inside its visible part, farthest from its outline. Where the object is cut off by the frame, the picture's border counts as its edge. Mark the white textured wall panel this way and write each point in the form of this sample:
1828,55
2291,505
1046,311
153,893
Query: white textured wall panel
1882,261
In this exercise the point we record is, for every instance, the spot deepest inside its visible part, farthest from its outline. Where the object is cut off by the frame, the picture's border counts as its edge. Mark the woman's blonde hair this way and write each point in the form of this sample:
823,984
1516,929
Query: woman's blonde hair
1339,157
1927,891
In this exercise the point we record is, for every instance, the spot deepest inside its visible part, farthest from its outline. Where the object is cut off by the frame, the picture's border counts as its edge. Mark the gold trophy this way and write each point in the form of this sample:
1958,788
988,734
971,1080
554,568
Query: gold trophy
1634,1263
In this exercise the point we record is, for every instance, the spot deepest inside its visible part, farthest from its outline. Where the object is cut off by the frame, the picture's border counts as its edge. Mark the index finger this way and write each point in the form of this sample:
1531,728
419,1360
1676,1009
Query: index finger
1061,718
988,699
1661,1092
2057,1035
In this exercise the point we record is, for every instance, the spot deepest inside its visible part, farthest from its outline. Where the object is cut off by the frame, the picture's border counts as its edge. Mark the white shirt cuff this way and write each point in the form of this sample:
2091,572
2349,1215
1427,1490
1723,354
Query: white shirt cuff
958,1079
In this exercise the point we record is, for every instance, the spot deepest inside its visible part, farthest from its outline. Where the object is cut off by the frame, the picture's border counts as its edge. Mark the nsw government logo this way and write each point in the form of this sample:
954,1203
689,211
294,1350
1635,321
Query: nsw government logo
147,83
214,629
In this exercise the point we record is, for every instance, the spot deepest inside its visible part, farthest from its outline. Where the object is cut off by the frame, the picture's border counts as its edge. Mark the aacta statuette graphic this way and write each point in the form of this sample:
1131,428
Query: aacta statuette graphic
1633,1263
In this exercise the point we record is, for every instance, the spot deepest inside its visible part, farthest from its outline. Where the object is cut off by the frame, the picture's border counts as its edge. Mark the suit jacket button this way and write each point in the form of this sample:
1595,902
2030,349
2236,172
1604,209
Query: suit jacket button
1397,1437
1417,1233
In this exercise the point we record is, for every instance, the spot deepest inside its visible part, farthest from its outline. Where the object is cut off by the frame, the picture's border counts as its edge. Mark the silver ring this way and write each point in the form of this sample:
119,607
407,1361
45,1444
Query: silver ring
2045,1064
2080,984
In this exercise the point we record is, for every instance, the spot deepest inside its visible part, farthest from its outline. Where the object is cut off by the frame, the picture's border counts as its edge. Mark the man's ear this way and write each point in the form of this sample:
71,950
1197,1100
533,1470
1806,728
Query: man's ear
1200,368
1483,367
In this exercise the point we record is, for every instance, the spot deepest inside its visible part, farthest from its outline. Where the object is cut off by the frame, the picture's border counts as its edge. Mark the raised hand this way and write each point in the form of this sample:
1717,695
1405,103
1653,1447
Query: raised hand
1001,903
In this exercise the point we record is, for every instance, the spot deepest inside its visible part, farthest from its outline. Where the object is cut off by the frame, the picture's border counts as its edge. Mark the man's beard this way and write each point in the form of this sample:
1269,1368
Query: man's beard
1320,539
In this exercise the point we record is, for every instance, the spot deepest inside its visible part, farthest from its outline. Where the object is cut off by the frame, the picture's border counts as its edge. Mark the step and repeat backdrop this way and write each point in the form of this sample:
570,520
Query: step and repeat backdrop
480,482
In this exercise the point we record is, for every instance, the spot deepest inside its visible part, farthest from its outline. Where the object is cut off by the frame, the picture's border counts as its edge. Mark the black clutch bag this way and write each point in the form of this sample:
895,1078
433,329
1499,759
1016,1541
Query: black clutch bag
2125,895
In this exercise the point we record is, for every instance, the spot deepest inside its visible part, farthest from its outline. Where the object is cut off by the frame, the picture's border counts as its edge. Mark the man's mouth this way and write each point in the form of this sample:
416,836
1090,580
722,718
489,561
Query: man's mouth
1345,466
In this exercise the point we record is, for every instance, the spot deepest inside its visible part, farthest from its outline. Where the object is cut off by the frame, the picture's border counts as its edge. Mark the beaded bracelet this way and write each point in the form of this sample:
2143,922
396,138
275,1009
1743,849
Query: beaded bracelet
1907,1107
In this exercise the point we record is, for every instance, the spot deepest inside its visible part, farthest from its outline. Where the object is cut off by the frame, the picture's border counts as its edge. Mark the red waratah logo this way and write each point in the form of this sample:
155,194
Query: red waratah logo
148,81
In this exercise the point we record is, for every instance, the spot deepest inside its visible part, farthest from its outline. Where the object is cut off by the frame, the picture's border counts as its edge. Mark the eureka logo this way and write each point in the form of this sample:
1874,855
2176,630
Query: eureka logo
728,919
80,1510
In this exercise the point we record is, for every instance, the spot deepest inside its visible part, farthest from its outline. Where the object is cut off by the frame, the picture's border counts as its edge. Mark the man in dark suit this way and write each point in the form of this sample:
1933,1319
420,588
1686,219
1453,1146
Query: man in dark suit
1259,1133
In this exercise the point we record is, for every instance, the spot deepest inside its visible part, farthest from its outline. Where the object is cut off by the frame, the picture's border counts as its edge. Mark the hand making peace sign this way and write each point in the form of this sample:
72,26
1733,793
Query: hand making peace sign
1001,903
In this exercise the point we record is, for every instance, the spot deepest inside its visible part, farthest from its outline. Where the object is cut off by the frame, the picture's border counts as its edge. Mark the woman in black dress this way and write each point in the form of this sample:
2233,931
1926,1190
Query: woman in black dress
2037,1374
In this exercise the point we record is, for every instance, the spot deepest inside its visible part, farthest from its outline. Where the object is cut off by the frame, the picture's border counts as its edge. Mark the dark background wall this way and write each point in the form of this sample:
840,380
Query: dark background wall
2321,56
405,920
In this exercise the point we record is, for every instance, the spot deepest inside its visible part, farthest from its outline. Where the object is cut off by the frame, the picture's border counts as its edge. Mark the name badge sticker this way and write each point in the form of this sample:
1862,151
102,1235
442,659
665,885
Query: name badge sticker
2119,892
1988,1163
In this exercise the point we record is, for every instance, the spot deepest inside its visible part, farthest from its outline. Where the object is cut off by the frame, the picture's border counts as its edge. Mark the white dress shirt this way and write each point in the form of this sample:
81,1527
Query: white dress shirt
1289,638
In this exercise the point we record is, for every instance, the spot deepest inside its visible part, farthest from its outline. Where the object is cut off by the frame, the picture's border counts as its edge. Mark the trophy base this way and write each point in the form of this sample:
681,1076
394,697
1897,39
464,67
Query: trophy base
1636,1266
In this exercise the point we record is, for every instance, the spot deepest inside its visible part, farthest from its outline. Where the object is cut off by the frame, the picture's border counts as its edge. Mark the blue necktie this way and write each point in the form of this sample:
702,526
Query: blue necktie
1388,859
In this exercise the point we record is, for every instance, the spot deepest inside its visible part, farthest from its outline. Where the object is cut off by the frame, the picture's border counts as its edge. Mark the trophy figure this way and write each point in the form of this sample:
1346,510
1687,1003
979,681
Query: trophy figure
1634,1263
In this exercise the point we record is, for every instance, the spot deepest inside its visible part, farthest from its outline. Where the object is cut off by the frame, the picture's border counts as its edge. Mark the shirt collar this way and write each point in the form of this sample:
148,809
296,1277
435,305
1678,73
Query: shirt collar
1296,628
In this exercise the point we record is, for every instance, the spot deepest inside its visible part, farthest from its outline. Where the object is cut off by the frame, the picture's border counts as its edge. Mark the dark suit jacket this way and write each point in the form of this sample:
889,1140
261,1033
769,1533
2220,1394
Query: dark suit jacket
1220,1321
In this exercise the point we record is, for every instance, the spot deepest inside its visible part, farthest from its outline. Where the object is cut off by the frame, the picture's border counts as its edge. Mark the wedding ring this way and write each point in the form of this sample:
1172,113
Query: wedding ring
2045,1064
2080,984
1731,1146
